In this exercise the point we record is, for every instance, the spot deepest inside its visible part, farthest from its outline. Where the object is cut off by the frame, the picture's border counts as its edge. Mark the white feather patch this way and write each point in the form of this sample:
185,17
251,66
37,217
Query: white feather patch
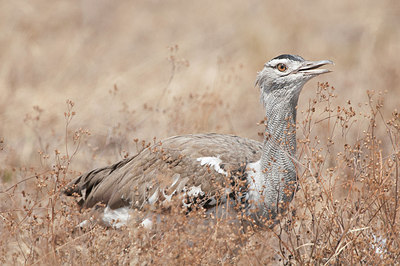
176,179
255,178
212,162
195,191
379,244
147,223
153,198
83,224
116,218
169,197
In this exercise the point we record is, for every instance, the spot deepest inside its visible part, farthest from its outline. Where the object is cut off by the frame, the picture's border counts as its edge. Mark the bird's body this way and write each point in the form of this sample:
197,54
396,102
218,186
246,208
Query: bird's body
208,170
166,168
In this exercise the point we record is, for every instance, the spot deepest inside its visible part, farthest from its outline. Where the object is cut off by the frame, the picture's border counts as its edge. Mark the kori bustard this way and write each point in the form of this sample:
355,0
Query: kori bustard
211,171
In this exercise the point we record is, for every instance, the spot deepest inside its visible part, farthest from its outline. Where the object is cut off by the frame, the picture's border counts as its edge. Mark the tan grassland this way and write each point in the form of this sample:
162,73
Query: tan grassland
81,81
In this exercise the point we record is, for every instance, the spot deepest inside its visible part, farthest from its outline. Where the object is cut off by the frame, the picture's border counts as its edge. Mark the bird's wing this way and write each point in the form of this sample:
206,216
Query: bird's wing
198,165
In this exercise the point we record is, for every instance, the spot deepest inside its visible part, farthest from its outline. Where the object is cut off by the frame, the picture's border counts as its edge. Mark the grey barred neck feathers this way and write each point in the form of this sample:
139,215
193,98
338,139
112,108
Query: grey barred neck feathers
209,170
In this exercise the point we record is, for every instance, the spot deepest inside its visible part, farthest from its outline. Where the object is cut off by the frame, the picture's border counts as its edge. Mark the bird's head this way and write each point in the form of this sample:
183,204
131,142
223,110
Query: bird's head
284,76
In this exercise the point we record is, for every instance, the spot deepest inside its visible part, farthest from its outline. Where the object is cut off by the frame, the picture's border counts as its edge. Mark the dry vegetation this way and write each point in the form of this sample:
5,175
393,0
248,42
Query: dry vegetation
82,81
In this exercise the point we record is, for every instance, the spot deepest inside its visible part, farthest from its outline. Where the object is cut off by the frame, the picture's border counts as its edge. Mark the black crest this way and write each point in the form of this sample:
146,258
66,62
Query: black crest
290,57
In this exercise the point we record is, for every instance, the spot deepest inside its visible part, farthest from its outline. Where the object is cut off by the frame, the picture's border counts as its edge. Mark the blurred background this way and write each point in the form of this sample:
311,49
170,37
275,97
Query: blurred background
144,69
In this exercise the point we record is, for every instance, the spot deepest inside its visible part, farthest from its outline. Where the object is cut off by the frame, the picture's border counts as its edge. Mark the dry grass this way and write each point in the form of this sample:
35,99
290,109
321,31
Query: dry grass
128,80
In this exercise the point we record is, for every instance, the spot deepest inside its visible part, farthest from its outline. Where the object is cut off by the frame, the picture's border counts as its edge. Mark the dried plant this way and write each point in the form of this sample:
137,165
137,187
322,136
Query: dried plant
346,209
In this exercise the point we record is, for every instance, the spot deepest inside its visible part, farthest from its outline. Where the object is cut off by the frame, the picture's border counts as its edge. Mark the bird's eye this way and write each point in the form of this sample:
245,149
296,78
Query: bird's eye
281,67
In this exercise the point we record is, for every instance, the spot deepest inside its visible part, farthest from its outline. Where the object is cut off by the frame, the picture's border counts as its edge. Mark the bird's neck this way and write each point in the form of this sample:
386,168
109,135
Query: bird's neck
274,179
280,130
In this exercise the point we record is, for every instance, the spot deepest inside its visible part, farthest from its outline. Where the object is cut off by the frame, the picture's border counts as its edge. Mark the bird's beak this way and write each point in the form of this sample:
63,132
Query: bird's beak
312,67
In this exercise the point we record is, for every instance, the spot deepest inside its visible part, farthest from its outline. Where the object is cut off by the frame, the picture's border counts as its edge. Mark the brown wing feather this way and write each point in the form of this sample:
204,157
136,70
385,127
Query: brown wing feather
152,172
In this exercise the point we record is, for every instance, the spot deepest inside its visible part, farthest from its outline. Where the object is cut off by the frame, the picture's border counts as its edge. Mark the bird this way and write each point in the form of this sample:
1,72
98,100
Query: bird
214,172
